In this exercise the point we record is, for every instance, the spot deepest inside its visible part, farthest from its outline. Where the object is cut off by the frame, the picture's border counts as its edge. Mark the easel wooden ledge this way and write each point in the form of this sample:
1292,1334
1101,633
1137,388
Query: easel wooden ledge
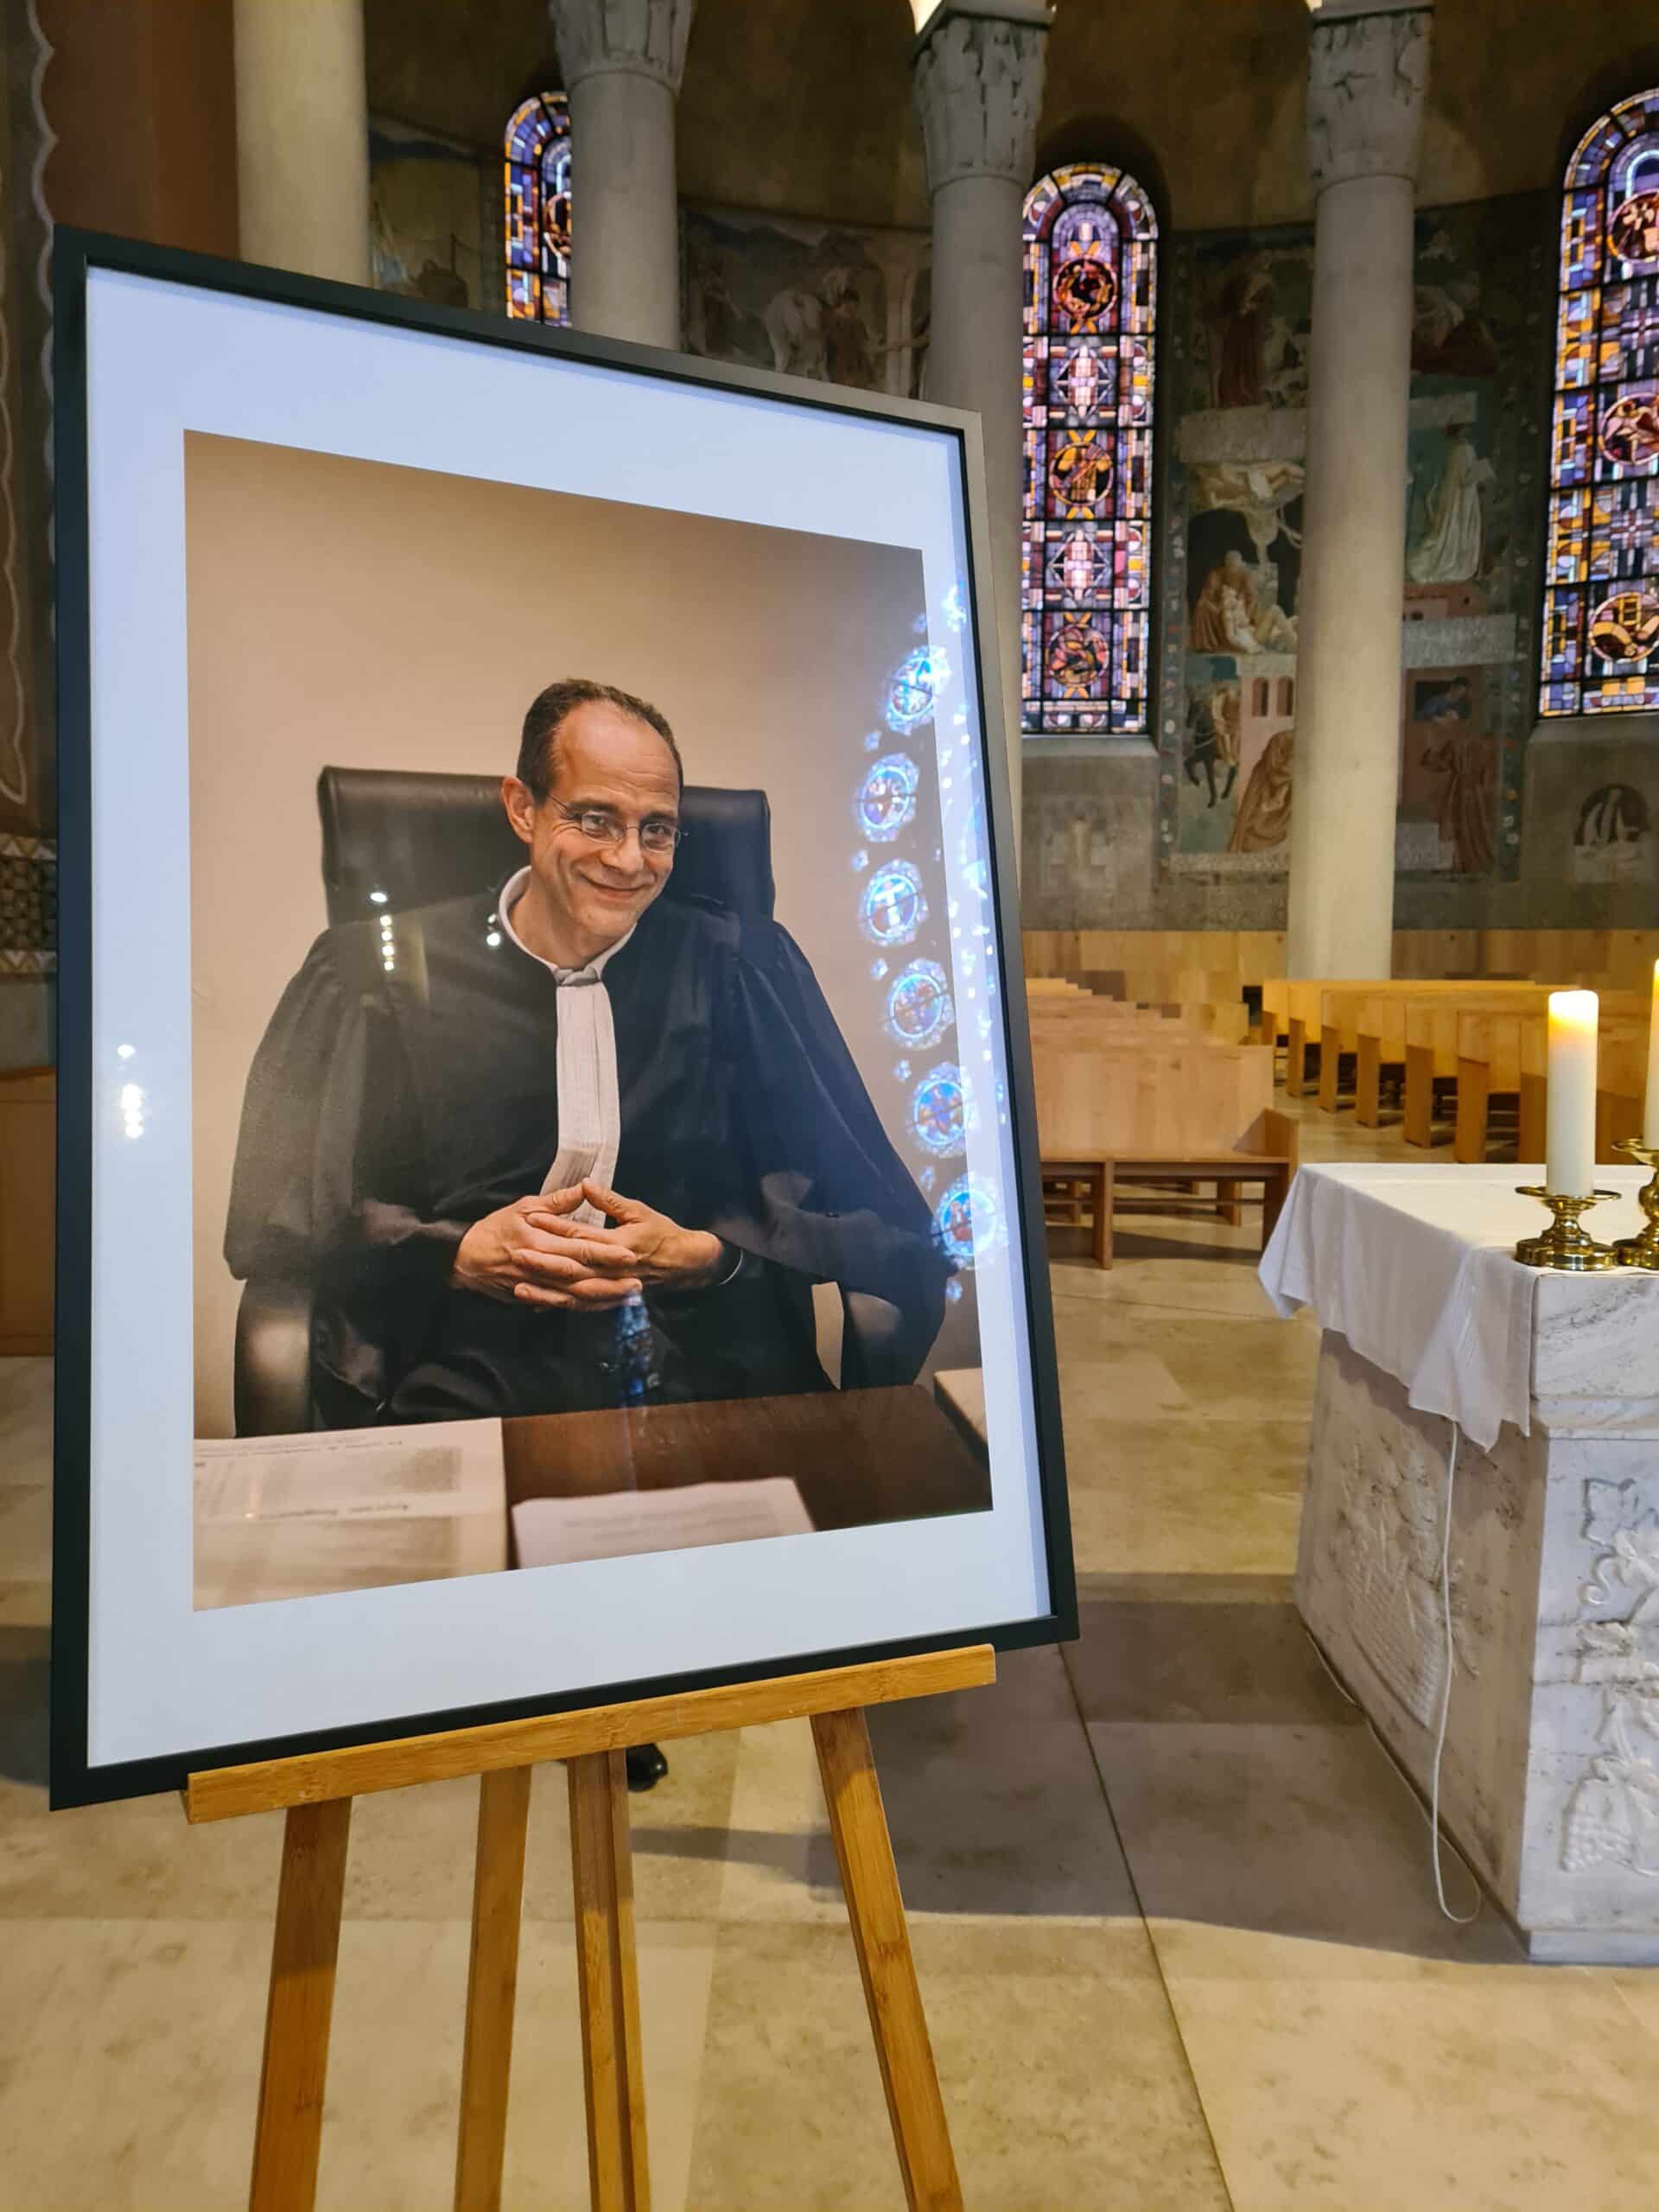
316,1791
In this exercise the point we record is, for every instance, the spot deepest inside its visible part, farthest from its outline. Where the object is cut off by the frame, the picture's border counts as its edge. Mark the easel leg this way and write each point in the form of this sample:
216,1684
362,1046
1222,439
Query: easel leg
289,2131
864,1854
491,1986
608,1975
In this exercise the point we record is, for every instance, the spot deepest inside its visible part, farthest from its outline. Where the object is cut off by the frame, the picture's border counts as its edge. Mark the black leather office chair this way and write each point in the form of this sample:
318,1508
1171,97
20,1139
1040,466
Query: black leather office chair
418,839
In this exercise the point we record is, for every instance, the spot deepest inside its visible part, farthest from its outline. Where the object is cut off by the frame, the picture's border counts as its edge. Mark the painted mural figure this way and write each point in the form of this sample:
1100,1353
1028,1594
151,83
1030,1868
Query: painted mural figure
1212,738
850,348
1258,492
1262,822
1223,620
1445,702
1449,551
1613,815
1450,336
1275,631
1285,357
1465,818
1236,333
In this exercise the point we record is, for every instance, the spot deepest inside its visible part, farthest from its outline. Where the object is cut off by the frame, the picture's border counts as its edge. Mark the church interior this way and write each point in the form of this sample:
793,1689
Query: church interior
1315,347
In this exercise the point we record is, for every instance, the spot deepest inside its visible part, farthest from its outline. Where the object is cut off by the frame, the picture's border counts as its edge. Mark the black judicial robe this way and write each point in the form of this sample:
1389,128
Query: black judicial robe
387,1109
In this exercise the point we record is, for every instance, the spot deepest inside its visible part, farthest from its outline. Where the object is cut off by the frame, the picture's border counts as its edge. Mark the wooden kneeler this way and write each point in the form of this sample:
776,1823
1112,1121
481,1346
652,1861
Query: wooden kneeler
317,1790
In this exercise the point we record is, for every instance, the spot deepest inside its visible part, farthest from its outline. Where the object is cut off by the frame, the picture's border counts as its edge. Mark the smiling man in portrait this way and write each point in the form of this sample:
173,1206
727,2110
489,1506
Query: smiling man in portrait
572,1141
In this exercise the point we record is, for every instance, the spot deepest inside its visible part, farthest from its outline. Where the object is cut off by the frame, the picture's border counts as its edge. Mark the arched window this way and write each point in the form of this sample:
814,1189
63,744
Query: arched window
538,183
1091,299
1601,578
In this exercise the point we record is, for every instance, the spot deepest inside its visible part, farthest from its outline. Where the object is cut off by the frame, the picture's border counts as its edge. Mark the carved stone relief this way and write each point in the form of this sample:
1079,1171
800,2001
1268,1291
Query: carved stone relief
1612,1815
646,37
1367,76
979,88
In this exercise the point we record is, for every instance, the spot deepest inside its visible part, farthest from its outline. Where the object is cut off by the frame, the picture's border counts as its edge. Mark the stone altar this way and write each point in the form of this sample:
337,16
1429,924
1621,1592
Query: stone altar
1550,1779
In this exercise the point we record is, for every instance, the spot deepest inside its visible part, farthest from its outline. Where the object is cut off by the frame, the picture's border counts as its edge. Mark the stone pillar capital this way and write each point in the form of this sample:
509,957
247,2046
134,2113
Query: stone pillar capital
1367,76
640,38
978,73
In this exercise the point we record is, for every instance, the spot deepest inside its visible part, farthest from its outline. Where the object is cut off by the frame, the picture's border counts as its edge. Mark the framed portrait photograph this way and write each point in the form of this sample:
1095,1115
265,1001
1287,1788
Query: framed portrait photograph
550,1209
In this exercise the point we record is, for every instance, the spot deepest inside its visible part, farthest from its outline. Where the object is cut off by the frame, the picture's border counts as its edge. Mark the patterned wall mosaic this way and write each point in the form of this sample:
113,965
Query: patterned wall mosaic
1233,479
28,905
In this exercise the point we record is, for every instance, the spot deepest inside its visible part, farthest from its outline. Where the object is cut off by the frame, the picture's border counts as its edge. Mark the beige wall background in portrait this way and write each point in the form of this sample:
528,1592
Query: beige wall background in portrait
350,613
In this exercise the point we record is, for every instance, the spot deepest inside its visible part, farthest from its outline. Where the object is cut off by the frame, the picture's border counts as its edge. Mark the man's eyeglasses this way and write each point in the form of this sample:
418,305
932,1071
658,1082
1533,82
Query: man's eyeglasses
657,837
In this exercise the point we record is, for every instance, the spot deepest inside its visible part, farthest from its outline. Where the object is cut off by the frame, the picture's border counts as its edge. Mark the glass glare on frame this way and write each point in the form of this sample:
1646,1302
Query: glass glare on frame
1601,574
1090,330
536,183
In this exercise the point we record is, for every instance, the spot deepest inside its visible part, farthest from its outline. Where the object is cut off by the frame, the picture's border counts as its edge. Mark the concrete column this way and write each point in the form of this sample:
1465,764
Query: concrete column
1368,72
978,72
622,62
303,136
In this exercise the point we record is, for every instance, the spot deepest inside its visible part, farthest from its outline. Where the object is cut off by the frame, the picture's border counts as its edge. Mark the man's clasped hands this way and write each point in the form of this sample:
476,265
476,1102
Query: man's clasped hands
533,1252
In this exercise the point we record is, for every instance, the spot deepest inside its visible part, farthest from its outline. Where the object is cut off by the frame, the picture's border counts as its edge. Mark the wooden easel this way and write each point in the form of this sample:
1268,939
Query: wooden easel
316,1791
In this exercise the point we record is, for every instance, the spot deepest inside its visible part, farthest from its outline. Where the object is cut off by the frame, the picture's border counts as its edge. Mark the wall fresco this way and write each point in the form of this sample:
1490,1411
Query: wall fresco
1234,480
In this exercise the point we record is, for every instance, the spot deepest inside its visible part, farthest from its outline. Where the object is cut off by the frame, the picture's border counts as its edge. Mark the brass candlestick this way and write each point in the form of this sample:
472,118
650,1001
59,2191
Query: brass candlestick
1641,1251
1565,1244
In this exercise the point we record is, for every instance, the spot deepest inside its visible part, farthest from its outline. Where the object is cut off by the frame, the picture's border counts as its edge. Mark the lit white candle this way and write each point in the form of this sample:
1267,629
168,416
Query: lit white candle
1650,1117
1570,1155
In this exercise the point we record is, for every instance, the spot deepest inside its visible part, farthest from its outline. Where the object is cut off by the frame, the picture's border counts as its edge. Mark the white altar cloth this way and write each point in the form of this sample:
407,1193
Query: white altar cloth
1414,1267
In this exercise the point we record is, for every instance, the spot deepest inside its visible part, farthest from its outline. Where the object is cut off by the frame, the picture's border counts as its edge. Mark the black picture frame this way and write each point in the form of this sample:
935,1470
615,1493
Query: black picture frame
74,1780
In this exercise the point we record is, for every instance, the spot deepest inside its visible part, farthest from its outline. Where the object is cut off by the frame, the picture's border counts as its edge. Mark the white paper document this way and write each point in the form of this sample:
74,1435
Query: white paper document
553,1531
294,1516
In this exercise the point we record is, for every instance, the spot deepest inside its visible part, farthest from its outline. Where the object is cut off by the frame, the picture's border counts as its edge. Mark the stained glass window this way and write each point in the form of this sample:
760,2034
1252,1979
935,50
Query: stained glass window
537,182
1092,300
1601,579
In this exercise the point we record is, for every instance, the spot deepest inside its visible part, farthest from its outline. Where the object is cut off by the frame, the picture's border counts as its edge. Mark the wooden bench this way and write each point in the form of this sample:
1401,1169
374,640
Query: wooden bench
1094,1180
1209,1002
1250,958
1433,1052
27,1163
1143,1100
1358,1021
1408,1021
1508,1052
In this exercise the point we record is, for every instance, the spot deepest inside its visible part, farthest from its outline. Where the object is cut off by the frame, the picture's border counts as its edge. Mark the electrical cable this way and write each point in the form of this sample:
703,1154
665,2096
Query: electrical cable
1459,1919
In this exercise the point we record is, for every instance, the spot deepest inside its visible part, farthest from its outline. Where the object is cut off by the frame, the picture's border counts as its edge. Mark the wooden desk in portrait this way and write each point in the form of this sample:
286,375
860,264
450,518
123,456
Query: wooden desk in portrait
310,1515
855,1456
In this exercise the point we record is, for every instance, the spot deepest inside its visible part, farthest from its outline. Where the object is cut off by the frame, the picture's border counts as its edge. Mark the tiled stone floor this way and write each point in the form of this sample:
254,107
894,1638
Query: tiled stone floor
1171,1905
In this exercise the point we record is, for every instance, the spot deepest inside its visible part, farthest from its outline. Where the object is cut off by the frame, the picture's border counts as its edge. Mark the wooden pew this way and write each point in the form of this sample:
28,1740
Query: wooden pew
1367,1018
1433,1049
1428,1032
28,1165
1206,1001
1301,1009
1118,1019
1250,958
1372,1023
1498,1052
1188,1111
1245,958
